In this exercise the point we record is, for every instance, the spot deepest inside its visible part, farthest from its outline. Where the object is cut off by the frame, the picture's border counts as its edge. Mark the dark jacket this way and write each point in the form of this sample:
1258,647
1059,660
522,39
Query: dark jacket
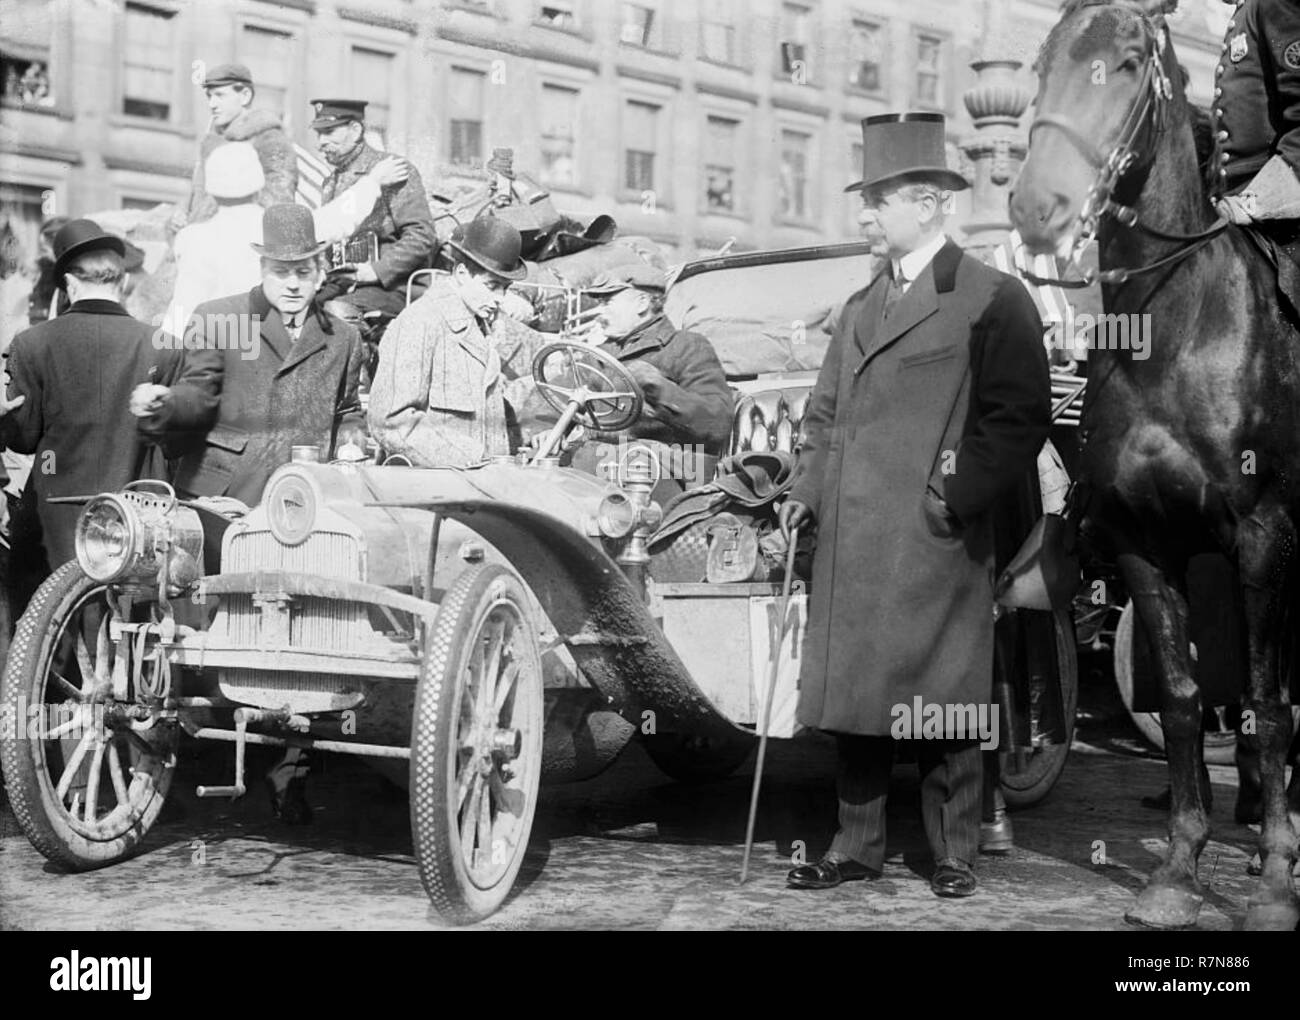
1257,91
265,133
694,406
77,372
232,418
950,397
401,218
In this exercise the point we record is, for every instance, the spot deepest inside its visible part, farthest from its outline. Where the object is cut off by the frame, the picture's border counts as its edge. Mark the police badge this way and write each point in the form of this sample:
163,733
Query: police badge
1237,47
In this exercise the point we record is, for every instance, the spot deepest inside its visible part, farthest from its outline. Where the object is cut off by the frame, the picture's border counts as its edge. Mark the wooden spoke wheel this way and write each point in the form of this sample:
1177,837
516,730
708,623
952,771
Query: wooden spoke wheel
1028,776
86,772
476,744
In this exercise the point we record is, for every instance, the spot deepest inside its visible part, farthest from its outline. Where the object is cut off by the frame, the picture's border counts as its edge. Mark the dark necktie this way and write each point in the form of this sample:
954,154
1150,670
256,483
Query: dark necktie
893,293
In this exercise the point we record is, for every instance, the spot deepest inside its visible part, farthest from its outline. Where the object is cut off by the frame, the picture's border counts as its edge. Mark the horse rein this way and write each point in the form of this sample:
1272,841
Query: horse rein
1147,112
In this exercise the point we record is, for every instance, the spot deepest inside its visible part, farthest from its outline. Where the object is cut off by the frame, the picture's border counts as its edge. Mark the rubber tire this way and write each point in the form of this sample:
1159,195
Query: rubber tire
1021,790
1220,748
681,757
31,795
434,829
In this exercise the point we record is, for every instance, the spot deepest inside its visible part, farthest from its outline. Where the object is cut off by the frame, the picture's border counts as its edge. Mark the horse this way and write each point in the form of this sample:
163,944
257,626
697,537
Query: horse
1192,442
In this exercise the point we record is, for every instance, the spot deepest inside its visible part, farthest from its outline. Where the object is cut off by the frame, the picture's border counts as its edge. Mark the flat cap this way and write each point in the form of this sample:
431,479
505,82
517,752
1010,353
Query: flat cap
330,113
228,74
635,274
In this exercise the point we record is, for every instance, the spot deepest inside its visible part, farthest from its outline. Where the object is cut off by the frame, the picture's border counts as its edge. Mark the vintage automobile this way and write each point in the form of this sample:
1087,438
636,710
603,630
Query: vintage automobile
471,631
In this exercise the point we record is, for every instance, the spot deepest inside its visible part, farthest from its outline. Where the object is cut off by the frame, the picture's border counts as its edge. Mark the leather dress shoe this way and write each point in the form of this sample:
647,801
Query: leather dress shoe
996,836
953,878
828,873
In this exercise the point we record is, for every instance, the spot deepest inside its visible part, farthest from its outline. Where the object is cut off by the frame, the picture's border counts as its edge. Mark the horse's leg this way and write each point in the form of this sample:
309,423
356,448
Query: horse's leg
1172,896
1266,547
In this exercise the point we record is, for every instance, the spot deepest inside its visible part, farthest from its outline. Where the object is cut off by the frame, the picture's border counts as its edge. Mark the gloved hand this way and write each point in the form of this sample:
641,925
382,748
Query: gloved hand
794,514
1238,209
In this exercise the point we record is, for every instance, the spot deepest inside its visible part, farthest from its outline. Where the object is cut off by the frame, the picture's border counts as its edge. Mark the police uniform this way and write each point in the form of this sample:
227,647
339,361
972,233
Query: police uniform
1257,108
400,222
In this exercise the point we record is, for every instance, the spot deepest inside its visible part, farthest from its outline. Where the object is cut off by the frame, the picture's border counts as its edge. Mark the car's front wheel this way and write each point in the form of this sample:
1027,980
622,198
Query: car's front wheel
476,744
86,771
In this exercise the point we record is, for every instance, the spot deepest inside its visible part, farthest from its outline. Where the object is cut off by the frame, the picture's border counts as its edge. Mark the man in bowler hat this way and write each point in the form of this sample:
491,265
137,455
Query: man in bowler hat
451,363
397,236
932,402
70,380
230,91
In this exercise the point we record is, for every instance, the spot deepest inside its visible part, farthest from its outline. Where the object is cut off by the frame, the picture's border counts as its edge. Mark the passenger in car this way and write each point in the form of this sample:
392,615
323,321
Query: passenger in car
449,360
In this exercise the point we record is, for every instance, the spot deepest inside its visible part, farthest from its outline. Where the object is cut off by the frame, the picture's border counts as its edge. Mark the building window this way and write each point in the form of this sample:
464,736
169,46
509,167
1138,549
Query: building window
269,55
929,70
372,76
639,146
720,136
794,42
465,102
855,161
150,54
718,31
145,204
558,14
640,26
866,56
25,52
559,135
794,197
22,207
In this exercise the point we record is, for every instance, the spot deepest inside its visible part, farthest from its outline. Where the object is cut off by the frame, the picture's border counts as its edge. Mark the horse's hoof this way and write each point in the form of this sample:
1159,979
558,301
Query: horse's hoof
1165,906
1275,915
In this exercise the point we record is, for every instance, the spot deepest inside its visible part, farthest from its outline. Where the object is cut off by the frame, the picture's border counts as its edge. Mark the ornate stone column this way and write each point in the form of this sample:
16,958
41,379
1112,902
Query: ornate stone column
995,149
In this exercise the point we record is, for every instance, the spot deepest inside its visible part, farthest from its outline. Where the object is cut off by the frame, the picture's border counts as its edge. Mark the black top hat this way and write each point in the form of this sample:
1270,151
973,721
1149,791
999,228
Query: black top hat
288,233
493,244
78,237
899,148
330,113
228,74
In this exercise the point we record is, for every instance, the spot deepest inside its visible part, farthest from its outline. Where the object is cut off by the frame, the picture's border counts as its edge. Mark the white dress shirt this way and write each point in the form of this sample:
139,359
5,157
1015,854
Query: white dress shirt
908,267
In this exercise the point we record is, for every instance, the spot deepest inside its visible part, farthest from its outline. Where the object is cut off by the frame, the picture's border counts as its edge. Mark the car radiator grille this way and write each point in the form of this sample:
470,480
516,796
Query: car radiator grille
329,553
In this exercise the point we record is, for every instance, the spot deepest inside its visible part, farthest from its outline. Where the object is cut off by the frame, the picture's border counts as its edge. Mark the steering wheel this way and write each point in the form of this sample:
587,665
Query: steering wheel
588,386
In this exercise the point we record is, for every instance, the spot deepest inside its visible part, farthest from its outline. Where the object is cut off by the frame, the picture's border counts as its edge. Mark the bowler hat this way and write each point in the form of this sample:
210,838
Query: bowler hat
228,74
494,244
641,275
76,237
899,148
288,233
233,170
330,113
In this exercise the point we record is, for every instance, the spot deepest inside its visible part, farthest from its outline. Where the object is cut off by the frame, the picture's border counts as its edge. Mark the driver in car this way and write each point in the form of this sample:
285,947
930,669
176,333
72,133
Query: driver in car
688,405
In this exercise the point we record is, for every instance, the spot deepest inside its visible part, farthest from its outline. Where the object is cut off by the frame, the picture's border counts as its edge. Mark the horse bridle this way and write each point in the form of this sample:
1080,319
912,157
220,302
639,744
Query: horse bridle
1146,115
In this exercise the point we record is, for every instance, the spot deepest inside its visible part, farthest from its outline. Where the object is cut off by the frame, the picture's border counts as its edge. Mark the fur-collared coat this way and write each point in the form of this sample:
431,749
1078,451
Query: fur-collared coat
265,133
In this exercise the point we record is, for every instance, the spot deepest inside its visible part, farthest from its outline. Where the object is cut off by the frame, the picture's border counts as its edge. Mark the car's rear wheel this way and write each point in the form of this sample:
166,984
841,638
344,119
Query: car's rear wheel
1027,777
476,744
86,774
694,759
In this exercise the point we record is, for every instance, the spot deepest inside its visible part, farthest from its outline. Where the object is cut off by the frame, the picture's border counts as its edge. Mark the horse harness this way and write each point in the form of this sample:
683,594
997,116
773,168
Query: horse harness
1146,115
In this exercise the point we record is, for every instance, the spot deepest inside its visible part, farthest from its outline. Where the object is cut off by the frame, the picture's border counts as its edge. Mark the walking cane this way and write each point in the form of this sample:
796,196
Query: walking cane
767,705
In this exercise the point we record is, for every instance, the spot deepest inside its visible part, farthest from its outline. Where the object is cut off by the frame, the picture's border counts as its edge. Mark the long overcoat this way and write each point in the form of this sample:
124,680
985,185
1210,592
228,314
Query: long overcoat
77,373
949,397
244,400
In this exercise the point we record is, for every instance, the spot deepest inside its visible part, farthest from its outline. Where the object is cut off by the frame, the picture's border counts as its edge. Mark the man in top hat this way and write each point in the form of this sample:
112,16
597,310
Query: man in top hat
229,90
70,379
932,402
688,404
396,238
447,363
265,370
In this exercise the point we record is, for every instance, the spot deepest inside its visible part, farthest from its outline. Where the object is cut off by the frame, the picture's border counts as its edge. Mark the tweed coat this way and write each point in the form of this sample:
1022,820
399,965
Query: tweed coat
231,419
441,390
948,397
77,372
